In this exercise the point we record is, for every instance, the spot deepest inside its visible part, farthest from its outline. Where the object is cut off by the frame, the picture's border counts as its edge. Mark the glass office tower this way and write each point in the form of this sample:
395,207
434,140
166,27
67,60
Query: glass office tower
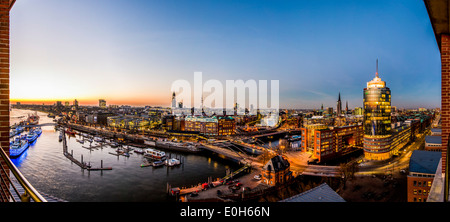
377,120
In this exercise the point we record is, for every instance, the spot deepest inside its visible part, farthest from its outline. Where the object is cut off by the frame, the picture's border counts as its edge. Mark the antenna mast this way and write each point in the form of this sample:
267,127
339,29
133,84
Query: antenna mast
377,70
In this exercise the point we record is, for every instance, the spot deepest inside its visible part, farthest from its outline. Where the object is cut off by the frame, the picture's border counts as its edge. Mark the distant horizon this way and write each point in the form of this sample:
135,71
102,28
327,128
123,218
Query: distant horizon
53,102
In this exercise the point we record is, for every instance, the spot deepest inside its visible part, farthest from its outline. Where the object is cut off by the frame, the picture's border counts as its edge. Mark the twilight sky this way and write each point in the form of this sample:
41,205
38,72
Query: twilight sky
131,51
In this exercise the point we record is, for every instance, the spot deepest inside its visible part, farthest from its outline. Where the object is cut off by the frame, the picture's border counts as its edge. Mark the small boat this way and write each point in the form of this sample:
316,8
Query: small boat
18,147
172,162
70,132
114,144
158,163
19,129
139,150
80,141
154,154
146,163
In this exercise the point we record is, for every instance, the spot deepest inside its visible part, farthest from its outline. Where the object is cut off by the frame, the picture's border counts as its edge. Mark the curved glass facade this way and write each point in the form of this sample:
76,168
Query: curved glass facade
377,111
377,120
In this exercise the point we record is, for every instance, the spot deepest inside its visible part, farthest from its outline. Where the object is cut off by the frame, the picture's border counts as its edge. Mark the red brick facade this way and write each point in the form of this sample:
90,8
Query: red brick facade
4,78
445,94
418,188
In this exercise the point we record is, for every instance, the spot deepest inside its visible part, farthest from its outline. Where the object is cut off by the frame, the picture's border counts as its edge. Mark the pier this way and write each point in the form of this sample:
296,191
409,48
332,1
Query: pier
81,163
203,186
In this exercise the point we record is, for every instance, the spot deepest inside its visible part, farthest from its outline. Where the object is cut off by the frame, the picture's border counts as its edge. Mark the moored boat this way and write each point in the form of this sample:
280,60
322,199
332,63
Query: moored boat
31,137
70,132
33,119
18,147
172,162
154,154
38,130
158,163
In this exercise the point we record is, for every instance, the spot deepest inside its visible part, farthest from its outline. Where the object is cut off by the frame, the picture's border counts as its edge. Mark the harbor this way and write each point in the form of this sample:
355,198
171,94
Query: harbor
126,181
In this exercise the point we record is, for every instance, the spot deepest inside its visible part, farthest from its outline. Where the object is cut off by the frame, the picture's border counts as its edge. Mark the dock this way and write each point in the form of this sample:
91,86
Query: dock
200,187
81,163
70,155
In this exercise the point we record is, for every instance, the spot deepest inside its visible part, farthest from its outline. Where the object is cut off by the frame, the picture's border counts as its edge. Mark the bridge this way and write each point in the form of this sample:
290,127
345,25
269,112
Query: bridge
44,124
240,158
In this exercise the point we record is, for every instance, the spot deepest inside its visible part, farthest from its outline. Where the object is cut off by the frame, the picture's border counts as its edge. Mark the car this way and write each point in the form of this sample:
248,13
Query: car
257,177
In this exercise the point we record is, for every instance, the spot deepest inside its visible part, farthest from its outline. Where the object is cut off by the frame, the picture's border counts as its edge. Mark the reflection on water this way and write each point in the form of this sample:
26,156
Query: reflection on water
50,172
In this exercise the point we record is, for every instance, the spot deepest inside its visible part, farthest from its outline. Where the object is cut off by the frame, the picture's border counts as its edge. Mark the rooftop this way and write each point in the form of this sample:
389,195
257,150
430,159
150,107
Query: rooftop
277,163
436,130
433,139
424,161
321,193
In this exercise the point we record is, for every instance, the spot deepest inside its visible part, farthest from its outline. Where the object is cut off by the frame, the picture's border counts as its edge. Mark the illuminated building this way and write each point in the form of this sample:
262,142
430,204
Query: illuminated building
102,103
325,142
358,111
276,171
210,126
174,100
401,135
377,120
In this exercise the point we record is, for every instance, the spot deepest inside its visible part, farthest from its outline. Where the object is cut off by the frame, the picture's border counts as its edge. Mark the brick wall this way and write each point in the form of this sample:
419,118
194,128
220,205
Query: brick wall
4,78
445,94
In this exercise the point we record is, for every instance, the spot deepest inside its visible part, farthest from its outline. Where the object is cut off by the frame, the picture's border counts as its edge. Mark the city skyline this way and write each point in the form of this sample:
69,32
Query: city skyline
316,49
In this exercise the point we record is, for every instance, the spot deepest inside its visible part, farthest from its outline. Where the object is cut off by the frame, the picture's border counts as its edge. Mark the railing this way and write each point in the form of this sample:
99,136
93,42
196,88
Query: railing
446,185
7,183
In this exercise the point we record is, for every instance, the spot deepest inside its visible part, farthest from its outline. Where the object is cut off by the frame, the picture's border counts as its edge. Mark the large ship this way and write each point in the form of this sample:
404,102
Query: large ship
32,136
33,119
18,147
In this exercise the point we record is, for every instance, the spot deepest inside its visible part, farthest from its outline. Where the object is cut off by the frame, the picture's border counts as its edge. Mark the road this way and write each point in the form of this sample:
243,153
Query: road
299,162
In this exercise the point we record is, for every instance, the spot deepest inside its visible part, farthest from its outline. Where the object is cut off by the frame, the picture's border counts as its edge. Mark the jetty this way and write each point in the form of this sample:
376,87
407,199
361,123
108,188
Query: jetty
200,187
81,163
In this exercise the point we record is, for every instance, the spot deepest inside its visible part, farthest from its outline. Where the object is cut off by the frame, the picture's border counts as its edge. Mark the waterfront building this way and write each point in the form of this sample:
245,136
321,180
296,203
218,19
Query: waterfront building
211,126
102,103
276,171
422,170
327,142
377,120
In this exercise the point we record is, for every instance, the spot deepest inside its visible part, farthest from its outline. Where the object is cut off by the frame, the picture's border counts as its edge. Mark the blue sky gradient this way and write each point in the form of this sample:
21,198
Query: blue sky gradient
131,51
